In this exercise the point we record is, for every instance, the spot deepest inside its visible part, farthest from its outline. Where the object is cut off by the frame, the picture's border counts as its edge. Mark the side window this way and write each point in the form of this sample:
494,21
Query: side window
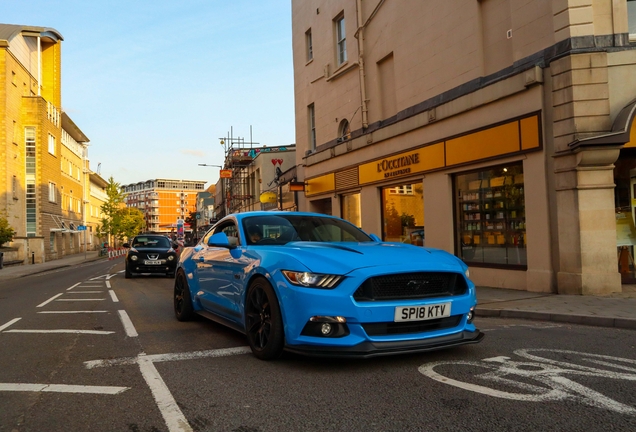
230,231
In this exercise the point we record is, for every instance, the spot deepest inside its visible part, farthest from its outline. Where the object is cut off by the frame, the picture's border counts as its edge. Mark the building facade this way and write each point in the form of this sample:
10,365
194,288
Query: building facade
96,197
164,202
43,154
494,129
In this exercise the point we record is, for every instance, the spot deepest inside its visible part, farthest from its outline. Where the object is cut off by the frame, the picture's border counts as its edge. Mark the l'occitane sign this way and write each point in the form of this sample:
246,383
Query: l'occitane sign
423,159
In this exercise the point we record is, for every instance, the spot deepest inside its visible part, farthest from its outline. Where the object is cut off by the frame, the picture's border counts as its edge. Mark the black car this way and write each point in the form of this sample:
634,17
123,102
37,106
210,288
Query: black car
151,253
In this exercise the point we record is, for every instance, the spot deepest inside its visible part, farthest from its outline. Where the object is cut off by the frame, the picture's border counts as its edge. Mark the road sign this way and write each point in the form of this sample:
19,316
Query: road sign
81,227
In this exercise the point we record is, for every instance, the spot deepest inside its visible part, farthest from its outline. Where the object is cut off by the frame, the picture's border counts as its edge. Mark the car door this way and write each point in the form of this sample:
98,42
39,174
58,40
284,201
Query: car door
218,273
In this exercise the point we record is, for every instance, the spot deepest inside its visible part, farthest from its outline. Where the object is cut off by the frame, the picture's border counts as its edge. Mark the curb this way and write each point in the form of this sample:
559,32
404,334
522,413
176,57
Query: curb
599,321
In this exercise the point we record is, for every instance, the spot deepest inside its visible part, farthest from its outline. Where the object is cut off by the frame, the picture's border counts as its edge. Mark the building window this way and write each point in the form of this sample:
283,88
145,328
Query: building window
309,45
341,40
491,216
311,116
30,169
52,192
403,213
350,205
51,144
631,19
14,187
52,242
344,131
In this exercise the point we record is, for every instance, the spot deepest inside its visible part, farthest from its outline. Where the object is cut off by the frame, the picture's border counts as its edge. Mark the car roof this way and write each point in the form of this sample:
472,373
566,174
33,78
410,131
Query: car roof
243,215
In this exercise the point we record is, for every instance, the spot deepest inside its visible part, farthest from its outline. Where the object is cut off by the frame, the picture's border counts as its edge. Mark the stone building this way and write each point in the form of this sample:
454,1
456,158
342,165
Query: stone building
498,130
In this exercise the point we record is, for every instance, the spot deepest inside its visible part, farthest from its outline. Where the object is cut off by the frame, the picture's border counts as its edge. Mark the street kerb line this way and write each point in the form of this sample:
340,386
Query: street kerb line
10,323
113,296
128,325
50,300
61,388
68,289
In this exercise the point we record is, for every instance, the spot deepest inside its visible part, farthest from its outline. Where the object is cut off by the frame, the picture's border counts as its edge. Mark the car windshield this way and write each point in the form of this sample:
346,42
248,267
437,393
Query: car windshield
151,242
283,229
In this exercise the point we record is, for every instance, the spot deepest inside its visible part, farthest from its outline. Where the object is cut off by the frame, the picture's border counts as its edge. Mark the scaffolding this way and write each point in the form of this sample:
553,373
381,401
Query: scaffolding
239,155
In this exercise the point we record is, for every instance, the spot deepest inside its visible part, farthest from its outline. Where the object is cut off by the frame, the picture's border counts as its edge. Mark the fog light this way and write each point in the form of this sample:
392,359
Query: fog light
470,315
325,329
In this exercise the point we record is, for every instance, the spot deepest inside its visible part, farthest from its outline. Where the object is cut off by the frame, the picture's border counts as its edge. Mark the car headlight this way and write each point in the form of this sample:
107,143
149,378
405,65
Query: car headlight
312,280
171,258
134,258
467,273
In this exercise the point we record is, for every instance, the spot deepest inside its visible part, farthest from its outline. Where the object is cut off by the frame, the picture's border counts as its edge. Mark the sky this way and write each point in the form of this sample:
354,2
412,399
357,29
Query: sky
154,85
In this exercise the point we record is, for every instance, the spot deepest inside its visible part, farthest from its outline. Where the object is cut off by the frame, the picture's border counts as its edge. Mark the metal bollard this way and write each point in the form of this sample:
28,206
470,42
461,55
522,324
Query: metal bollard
1,260
32,257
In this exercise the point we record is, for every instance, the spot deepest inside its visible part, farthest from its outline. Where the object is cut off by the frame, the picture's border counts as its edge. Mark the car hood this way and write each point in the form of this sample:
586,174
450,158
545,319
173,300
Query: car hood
342,258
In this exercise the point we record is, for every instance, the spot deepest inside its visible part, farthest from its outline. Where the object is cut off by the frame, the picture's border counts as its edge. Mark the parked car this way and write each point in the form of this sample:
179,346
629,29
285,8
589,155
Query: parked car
151,254
317,285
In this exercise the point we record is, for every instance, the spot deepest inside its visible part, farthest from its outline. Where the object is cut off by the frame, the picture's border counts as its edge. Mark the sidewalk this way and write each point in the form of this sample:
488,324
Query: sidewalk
618,310
18,271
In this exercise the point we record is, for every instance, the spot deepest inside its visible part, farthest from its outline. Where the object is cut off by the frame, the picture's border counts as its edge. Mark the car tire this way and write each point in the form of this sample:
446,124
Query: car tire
263,321
127,274
183,309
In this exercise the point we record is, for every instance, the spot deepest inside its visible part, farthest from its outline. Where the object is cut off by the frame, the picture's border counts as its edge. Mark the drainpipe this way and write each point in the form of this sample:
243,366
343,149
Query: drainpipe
363,88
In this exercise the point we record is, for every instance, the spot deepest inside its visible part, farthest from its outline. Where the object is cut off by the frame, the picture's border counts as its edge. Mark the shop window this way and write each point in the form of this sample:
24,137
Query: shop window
403,213
490,216
350,205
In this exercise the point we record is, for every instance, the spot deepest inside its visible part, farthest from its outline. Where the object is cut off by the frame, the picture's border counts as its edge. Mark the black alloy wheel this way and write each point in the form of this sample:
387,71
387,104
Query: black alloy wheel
263,322
183,309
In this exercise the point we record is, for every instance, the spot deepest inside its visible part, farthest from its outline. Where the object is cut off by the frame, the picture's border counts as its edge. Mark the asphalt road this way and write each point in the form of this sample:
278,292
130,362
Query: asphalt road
83,349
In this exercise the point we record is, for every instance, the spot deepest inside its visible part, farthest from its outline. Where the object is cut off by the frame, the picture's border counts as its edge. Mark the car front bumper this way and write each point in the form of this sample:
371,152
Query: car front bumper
374,349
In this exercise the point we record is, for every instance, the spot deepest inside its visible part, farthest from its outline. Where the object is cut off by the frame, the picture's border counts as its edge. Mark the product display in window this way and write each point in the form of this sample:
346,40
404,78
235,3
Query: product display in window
491,216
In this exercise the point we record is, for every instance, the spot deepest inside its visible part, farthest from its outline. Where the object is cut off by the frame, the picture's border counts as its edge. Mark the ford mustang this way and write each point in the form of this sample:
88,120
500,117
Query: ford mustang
315,284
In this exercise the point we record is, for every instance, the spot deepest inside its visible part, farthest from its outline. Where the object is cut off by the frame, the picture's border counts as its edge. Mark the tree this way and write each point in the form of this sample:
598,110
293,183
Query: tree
111,208
129,223
6,232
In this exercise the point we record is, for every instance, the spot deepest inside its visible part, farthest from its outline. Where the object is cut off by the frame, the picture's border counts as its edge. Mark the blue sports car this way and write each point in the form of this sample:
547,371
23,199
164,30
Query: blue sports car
318,285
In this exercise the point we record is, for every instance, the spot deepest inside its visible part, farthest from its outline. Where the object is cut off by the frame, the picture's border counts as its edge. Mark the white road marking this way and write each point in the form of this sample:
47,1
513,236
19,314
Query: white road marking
49,300
113,296
224,352
85,292
172,415
128,325
10,323
71,312
107,284
68,289
62,388
100,332
74,300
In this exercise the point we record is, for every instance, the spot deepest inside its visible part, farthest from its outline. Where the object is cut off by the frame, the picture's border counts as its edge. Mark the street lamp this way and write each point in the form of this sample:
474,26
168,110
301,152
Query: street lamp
223,188
218,166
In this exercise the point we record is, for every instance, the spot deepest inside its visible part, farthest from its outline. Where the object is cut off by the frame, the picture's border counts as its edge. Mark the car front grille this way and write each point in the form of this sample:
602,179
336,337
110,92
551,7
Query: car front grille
393,328
411,286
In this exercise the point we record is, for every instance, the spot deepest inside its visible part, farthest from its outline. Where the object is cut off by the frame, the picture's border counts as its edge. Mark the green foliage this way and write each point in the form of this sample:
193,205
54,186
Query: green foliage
120,222
192,220
6,232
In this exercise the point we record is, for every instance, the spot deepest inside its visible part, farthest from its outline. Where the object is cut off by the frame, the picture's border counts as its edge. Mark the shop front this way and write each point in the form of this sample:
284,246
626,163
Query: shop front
466,194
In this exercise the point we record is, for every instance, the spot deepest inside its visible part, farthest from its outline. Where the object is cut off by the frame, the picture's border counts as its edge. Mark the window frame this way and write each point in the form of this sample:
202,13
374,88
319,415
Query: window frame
309,49
52,192
341,39
311,121
52,144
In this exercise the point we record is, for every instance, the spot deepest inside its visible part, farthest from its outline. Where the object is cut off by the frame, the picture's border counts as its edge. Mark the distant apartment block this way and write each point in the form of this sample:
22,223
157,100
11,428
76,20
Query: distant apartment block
163,201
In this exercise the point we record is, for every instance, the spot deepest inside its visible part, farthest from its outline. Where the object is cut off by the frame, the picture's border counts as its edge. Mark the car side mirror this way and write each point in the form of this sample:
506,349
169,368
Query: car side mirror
126,245
175,245
375,237
221,240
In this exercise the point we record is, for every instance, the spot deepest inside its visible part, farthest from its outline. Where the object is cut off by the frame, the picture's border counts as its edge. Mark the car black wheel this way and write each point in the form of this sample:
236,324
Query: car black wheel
263,321
127,273
183,309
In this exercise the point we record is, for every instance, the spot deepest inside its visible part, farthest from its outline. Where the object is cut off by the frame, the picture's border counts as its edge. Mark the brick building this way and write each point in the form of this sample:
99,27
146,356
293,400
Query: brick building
509,122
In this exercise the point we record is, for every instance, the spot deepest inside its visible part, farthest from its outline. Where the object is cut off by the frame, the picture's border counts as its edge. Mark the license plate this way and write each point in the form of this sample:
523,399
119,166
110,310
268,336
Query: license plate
152,262
420,313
